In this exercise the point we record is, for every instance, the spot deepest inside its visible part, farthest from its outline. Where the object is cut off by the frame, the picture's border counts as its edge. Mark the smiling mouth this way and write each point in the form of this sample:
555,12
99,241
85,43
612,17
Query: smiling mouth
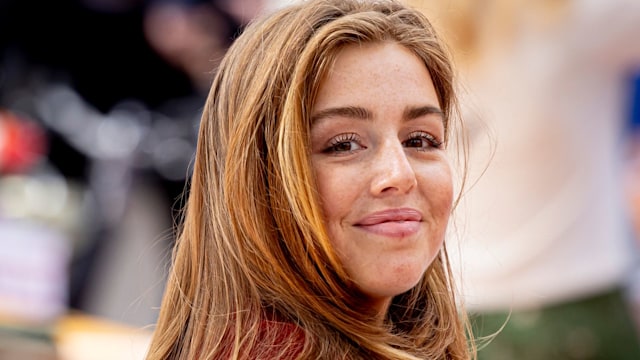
397,223
396,229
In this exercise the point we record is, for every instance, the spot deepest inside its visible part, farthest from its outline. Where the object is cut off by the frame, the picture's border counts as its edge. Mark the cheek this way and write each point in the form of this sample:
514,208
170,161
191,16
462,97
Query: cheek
336,191
437,184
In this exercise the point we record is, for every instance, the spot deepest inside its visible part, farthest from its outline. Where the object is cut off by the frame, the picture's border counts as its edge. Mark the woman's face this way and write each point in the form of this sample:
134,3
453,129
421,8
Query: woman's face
383,176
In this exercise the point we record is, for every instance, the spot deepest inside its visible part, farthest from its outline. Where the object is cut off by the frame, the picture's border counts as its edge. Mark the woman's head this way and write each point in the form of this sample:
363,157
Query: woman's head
259,237
383,176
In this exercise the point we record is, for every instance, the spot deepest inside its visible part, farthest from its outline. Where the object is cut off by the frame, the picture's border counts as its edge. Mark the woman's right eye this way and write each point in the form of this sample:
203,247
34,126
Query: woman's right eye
344,144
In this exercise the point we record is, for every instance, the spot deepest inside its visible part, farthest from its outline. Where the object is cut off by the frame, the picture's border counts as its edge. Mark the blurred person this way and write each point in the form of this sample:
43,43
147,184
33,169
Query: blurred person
633,150
114,66
36,238
549,254
193,35
321,193
632,175
121,119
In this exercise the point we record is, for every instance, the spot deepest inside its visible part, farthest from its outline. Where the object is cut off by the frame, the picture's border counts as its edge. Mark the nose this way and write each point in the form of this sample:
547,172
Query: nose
393,172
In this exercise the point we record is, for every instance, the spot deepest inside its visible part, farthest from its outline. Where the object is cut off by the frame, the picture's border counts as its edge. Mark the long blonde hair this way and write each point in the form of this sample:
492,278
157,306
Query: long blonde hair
253,248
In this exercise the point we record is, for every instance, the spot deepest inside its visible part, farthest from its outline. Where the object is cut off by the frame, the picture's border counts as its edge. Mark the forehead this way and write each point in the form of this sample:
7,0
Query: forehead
363,74
362,57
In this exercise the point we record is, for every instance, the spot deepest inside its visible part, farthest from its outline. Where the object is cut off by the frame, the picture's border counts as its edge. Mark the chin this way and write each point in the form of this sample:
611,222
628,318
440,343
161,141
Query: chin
394,289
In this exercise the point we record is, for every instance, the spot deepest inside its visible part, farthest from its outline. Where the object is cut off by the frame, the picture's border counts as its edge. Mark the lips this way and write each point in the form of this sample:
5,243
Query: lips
392,223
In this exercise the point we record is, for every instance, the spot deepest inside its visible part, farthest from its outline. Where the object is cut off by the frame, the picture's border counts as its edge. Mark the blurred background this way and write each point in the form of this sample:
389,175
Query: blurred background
99,108
545,240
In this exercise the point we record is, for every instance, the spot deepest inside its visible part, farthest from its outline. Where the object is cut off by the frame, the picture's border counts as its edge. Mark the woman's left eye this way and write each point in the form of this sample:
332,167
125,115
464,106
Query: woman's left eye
422,140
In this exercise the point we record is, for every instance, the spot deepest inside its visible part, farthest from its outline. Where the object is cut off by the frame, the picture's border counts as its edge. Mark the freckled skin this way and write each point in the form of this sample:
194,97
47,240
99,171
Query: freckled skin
376,164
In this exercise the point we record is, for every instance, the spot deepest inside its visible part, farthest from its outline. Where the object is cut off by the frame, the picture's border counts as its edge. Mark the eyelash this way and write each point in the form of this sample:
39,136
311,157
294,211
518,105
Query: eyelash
343,139
432,142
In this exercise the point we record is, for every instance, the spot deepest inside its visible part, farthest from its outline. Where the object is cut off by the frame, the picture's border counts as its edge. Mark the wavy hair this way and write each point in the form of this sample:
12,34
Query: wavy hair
254,274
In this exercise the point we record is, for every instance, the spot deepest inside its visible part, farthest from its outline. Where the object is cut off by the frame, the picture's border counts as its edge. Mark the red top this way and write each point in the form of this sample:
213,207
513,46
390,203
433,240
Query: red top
276,341
276,337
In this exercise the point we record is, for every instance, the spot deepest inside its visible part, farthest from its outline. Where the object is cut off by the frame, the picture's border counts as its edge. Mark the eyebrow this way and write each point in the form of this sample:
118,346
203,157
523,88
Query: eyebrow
361,113
355,112
411,113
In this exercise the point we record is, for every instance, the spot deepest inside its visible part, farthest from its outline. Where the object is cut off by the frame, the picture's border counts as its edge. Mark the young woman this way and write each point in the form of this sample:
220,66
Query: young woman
321,195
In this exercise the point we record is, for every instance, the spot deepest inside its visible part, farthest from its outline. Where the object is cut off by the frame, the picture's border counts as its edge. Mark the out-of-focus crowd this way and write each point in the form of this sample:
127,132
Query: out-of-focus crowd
99,109
545,249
